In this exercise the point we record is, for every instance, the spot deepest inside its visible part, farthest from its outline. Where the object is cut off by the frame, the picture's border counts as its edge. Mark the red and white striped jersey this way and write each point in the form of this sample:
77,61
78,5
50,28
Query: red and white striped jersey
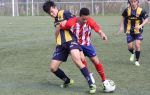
83,32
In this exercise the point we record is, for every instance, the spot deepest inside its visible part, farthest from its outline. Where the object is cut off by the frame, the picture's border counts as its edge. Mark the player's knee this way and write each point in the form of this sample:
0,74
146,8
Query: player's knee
137,47
53,68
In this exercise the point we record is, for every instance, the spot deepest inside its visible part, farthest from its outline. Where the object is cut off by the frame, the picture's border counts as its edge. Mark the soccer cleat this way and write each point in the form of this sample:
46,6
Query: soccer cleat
92,78
132,57
92,89
65,85
137,63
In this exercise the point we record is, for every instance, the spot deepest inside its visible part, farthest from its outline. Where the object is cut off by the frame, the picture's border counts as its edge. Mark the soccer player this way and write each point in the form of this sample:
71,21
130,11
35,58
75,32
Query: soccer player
66,43
133,20
82,27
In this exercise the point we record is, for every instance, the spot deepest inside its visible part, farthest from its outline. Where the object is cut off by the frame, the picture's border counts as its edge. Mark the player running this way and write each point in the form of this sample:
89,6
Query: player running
133,20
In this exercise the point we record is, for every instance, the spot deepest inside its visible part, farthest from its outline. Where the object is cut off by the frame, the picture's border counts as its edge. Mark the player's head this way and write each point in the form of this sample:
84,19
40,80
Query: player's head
84,15
133,3
50,8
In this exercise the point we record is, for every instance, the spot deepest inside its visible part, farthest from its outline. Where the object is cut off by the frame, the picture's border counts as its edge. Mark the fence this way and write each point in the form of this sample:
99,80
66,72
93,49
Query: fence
105,7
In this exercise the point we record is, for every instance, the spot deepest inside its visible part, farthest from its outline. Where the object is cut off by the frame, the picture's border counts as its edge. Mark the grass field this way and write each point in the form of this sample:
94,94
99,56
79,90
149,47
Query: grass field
27,45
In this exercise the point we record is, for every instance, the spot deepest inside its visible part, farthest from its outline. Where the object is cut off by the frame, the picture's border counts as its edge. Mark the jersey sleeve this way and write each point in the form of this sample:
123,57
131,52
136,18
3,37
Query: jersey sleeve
94,25
144,14
71,22
67,15
124,14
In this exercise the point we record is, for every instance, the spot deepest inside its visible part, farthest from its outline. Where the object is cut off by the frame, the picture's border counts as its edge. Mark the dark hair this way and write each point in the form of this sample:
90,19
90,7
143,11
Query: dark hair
47,5
84,11
130,0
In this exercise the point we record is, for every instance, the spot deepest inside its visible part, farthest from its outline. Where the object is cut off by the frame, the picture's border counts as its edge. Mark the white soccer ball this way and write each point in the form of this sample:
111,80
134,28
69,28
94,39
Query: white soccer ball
109,86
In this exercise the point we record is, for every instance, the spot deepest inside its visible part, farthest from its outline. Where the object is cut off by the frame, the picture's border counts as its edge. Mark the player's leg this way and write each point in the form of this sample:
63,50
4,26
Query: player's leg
131,50
83,59
99,67
59,56
137,52
130,40
91,53
54,67
138,39
75,55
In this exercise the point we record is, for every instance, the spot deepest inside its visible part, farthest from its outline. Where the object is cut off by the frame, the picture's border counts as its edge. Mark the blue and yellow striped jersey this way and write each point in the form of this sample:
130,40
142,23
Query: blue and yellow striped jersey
64,35
133,18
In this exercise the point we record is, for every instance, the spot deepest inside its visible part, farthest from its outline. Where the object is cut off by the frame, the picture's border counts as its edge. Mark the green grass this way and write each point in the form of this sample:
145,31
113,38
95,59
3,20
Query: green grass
27,45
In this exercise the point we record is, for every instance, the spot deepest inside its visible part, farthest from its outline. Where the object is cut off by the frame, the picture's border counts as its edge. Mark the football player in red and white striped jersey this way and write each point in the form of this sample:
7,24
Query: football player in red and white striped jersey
82,27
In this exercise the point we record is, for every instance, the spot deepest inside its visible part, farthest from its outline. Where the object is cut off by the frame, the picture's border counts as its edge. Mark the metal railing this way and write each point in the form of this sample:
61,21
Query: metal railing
97,7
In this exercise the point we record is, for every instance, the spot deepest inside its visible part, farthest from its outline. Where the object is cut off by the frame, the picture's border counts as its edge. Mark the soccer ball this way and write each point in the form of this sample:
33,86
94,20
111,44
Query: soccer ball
109,86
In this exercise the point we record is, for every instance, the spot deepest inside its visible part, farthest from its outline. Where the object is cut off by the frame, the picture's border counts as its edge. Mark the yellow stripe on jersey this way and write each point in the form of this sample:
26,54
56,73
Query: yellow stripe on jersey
67,36
129,21
60,18
61,15
58,39
64,35
137,21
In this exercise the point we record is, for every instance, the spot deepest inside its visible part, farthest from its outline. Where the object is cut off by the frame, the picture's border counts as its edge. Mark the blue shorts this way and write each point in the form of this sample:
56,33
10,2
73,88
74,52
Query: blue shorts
88,51
62,51
132,37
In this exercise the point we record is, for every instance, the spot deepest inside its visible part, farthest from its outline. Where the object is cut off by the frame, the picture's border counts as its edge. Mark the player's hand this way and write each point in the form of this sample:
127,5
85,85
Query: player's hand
138,27
103,36
63,23
120,30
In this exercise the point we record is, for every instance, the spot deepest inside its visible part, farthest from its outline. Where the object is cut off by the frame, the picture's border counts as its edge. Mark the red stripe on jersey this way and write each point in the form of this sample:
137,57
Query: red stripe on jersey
80,34
74,29
86,36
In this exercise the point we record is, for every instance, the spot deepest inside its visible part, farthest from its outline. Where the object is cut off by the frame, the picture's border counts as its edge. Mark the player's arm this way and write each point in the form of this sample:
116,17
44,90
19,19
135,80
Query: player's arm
65,25
145,21
97,29
141,25
61,25
68,24
121,28
102,35
57,30
67,15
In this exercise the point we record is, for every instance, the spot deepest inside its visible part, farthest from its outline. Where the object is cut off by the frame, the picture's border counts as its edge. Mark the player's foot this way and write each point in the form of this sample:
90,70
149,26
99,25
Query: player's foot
137,63
67,84
92,78
132,57
92,89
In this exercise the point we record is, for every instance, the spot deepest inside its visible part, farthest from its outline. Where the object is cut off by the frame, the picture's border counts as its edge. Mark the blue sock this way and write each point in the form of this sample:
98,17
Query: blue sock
86,75
60,74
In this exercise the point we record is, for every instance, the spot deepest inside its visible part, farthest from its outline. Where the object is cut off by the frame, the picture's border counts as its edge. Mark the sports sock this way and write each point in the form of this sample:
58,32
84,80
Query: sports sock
86,75
137,55
131,50
85,63
60,74
100,70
